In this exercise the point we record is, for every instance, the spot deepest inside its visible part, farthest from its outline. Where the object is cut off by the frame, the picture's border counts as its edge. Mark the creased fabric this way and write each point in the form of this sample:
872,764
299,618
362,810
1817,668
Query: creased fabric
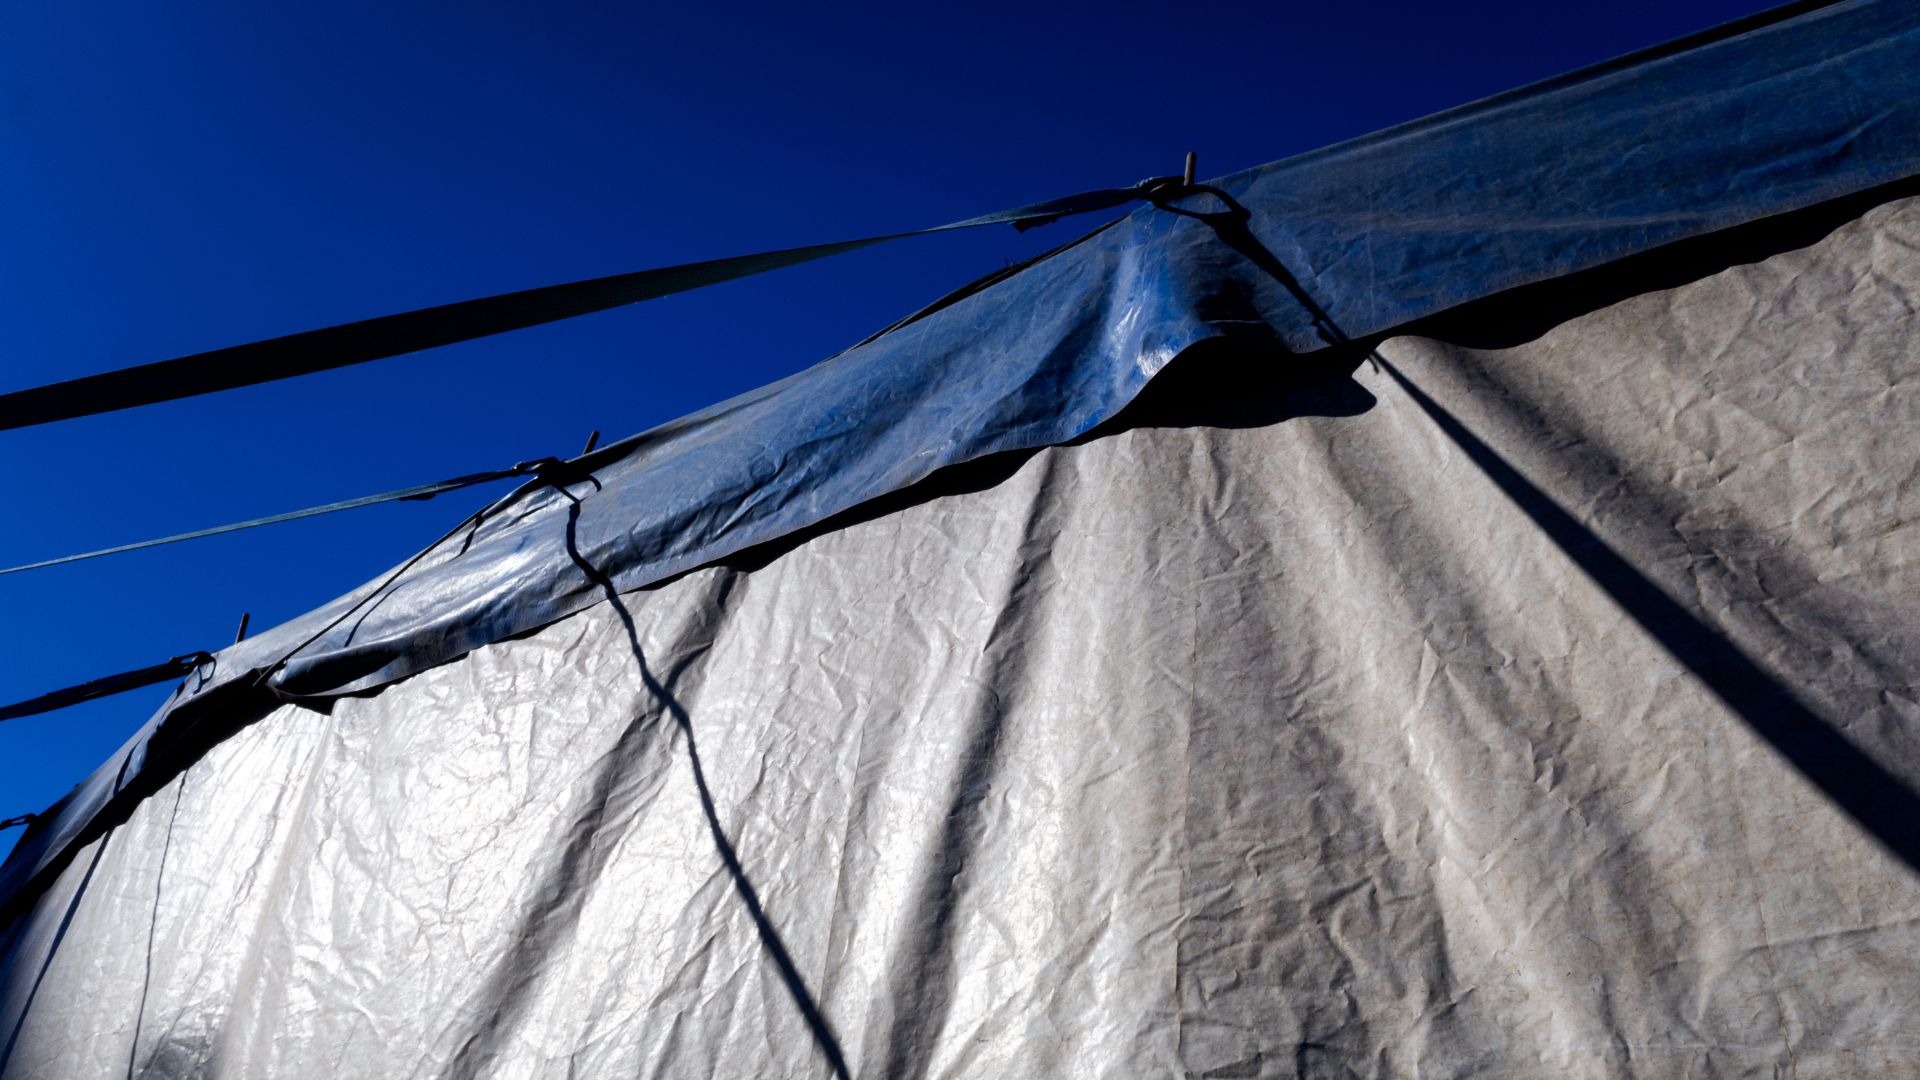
1792,110
1538,710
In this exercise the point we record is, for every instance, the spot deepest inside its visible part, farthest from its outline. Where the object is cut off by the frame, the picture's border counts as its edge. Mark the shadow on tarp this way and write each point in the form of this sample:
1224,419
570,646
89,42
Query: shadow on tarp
1243,383
1524,314
534,941
1221,383
1216,383
1882,803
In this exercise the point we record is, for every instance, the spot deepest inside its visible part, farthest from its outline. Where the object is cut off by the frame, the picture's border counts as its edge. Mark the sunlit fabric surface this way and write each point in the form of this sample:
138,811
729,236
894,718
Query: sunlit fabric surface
1317,731
1796,108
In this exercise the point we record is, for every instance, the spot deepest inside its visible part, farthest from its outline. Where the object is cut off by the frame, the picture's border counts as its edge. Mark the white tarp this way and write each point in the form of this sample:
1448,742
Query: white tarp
1318,747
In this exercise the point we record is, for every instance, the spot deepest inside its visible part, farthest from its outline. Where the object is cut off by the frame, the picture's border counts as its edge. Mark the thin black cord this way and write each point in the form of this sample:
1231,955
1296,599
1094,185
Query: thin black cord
417,493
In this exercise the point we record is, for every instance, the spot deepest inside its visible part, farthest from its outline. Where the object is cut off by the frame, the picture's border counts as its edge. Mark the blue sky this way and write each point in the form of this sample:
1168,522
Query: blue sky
180,177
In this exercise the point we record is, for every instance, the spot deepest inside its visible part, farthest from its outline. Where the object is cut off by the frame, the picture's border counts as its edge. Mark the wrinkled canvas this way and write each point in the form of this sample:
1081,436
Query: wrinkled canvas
1810,110
1463,717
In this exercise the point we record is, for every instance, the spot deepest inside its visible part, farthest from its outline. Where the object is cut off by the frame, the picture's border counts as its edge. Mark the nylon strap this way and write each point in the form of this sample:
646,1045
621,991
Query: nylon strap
396,335
178,667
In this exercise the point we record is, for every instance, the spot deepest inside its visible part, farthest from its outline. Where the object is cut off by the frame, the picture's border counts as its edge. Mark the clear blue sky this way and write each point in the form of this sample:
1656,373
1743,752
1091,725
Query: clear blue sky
179,177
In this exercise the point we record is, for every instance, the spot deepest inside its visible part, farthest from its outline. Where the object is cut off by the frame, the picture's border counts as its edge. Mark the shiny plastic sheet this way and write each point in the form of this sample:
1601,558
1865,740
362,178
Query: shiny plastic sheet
1572,174
1542,709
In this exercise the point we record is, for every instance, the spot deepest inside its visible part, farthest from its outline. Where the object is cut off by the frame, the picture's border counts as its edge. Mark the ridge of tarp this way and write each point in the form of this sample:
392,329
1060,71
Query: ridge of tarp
1761,118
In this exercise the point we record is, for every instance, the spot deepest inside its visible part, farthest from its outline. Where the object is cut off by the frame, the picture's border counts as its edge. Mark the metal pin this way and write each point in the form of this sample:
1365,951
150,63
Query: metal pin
1186,178
240,635
593,440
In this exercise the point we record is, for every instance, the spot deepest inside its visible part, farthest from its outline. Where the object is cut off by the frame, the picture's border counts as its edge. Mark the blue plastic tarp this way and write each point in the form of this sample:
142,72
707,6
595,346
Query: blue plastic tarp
1760,119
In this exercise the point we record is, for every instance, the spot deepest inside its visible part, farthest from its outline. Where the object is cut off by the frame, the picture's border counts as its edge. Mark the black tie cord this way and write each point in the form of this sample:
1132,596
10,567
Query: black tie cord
423,491
395,335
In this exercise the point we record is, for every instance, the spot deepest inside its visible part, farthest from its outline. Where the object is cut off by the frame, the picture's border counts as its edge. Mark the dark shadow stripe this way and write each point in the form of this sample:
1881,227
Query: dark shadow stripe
824,1039
1878,800
921,975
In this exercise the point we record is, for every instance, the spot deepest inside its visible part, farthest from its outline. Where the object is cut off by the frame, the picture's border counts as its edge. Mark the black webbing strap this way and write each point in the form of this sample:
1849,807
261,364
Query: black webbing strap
395,335
176,668
423,491
16,822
